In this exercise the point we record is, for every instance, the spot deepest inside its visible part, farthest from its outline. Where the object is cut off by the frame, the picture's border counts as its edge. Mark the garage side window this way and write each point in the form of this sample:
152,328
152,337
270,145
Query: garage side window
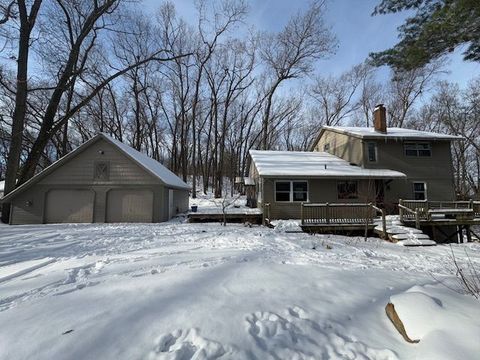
101,171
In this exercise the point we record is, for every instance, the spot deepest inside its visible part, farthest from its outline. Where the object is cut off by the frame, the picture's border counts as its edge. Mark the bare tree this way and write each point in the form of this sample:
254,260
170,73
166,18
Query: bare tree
27,18
292,53
406,88
335,96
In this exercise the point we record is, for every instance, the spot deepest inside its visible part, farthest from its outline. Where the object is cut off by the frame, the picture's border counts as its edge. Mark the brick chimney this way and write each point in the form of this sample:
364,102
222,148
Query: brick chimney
380,118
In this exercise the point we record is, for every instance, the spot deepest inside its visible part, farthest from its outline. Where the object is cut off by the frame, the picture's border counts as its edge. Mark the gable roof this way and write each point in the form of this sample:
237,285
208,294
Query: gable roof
313,164
150,165
393,133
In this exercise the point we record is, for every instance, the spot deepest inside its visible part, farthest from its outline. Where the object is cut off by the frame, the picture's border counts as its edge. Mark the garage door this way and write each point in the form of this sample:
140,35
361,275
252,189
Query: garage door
129,206
69,206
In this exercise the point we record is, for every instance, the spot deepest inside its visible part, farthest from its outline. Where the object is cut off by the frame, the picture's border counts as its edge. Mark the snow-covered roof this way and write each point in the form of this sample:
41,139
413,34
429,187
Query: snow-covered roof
149,164
152,166
313,164
392,132
2,185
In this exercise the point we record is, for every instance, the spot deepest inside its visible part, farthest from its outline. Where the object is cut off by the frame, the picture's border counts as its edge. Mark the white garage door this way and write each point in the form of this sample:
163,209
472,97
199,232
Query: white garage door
69,206
125,205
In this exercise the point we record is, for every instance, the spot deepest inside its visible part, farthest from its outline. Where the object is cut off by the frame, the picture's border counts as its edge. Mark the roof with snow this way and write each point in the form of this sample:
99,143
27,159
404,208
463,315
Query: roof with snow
392,133
313,164
2,185
147,163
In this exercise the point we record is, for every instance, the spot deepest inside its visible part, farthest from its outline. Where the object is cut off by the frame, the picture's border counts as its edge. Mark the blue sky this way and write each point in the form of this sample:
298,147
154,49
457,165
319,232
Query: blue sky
357,31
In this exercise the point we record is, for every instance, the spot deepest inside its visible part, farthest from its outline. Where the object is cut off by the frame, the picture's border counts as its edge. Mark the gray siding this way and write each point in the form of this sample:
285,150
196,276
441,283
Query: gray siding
79,170
341,145
180,201
320,191
436,171
28,207
36,195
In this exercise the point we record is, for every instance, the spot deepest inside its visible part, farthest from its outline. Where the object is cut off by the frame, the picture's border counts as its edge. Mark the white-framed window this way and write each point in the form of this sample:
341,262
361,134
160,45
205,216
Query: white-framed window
291,191
417,149
419,190
347,189
372,151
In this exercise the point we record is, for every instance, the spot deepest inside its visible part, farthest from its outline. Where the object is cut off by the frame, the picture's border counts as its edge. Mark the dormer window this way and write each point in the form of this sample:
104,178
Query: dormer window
418,149
101,171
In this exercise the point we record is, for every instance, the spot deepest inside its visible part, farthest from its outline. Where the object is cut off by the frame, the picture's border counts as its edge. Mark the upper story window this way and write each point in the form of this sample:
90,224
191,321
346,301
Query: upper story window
101,171
291,191
326,147
418,149
347,190
372,151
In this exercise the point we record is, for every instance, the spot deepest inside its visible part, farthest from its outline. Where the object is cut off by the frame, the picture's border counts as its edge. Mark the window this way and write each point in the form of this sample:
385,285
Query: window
372,151
347,190
282,191
291,191
326,147
300,190
418,149
101,171
419,191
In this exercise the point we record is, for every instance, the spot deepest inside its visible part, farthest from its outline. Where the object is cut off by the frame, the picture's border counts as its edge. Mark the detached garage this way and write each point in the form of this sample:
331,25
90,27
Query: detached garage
103,180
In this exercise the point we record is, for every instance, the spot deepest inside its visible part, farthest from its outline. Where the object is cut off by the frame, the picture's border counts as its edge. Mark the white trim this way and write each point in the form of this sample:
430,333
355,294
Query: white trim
417,149
425,191
290,191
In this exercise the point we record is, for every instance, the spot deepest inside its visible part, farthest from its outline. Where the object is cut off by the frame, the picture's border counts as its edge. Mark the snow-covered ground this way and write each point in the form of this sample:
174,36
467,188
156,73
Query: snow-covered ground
204,291
207,204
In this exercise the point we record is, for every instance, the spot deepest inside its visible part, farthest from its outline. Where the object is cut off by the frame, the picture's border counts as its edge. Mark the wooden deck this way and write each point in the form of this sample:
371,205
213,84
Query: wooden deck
341,218
447,219
237,217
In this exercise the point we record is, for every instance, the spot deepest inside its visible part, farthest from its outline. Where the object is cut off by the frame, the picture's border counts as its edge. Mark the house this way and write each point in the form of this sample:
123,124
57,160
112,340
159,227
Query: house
356,165
103,180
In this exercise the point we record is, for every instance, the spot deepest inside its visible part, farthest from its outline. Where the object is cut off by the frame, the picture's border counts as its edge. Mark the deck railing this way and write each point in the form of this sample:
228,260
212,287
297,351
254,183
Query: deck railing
341,214
419,210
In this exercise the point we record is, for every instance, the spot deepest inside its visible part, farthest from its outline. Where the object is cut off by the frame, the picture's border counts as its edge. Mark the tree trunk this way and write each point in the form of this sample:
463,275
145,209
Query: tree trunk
18,119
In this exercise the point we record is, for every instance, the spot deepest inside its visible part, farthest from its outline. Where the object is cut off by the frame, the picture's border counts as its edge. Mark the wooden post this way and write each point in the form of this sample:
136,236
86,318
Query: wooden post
384,224
400,210
327,212
469,234
301,213
417,219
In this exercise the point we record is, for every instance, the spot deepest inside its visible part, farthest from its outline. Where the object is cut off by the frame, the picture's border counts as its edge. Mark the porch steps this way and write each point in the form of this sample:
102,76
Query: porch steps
403,235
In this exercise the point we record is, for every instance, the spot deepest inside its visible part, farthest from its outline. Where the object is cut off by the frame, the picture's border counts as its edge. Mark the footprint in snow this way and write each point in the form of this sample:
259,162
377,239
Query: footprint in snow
188,344
295,335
